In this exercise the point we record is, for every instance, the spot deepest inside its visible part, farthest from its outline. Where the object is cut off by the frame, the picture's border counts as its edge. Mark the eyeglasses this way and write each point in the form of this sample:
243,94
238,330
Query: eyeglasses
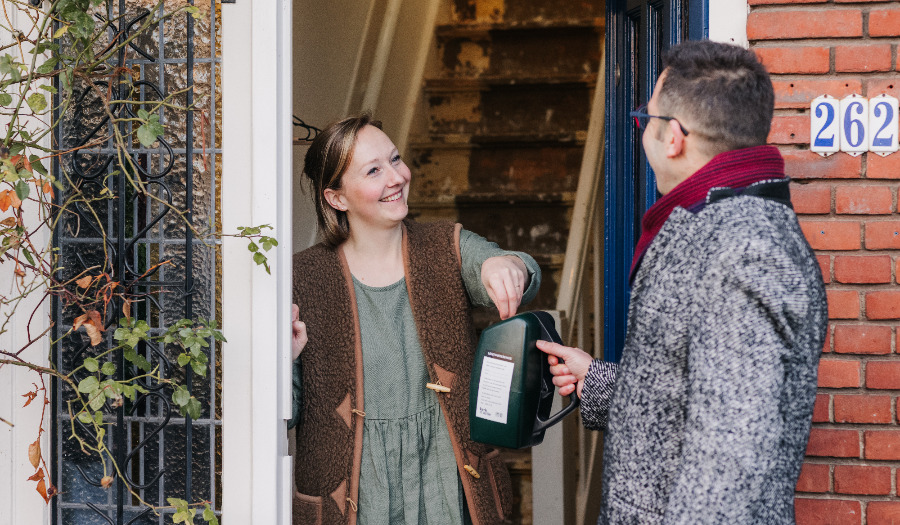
642,118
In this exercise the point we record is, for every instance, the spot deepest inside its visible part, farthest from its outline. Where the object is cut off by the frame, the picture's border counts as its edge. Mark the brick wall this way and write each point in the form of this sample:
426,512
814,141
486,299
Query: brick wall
848,209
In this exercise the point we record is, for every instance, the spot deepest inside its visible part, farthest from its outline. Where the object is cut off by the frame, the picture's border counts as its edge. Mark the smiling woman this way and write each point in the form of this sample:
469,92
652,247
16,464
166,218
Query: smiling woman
385,295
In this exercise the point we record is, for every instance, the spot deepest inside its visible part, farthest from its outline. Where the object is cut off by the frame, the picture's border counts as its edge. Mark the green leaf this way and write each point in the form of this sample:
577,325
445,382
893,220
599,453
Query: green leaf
97,401
129,392
28,256
98,418
209,515
22,190
37,102
183,359
259,258
88,385
253,247
47,66
193,408
199,368
48,87
85,418
109,368
36,165
181,396
148,131
143,115
91,364
5,99
61,31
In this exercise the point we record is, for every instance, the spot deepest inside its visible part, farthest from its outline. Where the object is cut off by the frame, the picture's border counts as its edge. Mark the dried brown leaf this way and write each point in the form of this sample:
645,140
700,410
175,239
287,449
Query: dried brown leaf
39,475
126,308
34,453
9,222
30,396
5,200
84,282
42,490
106,481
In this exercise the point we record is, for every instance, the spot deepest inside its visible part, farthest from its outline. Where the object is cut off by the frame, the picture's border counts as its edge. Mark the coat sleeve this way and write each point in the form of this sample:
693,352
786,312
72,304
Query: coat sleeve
474,250
596,395
751,373
297,395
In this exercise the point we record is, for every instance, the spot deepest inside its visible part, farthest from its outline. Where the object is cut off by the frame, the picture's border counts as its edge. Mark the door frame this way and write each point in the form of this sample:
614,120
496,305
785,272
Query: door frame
256,189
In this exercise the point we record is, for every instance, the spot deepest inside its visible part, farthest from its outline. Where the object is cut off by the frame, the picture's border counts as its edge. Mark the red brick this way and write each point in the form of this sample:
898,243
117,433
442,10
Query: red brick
883,375
883,512
862,339
814,477
883,304
878,167
861,479
882,444
878,85
826,346
773,25
800,59
843,304
811,198
820,409
835,373
789,130
864,200
763,2
862,58
827,511
862,409
882,235
804,164
869,269
884,22
832,235
825,267
833,443
799,93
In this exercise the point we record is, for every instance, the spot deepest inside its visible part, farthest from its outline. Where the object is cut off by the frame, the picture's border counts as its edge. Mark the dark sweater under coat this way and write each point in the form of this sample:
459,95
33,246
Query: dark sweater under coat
710,412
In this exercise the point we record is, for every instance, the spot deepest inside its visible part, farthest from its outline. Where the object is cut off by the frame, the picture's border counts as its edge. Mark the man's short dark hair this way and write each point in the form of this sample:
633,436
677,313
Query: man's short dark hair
720,92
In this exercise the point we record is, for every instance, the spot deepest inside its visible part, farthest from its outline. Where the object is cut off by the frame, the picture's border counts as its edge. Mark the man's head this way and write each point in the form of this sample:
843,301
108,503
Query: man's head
719,91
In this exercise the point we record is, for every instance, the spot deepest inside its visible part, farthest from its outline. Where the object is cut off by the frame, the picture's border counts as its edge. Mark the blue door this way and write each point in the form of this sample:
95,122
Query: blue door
638,31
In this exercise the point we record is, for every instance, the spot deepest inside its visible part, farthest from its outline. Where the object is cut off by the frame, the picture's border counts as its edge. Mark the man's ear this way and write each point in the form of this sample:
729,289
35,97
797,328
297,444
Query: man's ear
674,140
334,199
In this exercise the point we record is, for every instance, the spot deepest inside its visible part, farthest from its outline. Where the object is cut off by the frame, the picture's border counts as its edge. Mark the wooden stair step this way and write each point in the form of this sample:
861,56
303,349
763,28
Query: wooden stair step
529,53
523,10
487,82
482,28
544,109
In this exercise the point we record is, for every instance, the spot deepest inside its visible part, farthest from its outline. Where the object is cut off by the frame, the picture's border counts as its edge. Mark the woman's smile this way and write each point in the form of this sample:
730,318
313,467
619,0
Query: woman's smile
393,197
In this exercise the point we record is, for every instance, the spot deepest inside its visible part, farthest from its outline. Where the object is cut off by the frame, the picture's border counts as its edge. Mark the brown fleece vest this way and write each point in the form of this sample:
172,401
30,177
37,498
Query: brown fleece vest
329,431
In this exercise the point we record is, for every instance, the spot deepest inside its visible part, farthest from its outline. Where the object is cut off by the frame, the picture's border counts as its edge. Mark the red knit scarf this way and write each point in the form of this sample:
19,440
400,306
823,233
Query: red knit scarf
735,169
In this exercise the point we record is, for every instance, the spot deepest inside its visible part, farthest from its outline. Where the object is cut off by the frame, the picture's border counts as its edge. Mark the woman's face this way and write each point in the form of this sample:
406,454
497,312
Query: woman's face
375,186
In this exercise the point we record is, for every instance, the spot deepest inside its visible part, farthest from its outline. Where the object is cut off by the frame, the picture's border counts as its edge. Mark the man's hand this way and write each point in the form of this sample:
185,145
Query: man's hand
568,376
504,279
298,332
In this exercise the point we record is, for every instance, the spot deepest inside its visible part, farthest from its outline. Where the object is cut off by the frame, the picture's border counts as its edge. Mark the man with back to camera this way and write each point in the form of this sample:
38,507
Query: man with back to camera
708,413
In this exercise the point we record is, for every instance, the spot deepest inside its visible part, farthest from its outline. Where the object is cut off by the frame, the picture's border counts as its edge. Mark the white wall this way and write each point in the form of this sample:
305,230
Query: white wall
19,501
728,21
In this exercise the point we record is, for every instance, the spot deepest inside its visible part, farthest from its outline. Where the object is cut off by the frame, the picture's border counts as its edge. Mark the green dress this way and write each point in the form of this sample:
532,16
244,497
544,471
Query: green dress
408,473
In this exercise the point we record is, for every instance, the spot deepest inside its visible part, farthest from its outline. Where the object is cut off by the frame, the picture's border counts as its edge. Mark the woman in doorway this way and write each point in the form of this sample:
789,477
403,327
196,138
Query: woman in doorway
383,347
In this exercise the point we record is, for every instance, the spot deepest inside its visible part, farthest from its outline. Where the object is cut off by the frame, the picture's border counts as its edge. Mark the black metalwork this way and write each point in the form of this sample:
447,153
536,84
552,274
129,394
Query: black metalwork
160,453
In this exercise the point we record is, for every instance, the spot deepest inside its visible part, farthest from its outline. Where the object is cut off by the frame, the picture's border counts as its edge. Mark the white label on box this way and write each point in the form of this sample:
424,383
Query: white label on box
494,387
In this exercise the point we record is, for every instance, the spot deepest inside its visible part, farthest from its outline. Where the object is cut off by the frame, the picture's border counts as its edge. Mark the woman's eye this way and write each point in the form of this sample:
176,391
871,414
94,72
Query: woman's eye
373,170
395,159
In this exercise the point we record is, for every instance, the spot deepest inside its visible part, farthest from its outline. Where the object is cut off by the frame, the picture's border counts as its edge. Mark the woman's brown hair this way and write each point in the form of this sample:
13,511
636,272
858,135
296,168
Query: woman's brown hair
325,163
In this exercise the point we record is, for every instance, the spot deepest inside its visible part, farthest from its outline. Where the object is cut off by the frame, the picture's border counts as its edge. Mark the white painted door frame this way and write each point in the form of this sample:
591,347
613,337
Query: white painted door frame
256,189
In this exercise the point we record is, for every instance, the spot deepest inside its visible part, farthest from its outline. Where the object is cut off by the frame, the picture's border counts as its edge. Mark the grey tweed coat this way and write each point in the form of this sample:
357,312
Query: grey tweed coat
710,411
